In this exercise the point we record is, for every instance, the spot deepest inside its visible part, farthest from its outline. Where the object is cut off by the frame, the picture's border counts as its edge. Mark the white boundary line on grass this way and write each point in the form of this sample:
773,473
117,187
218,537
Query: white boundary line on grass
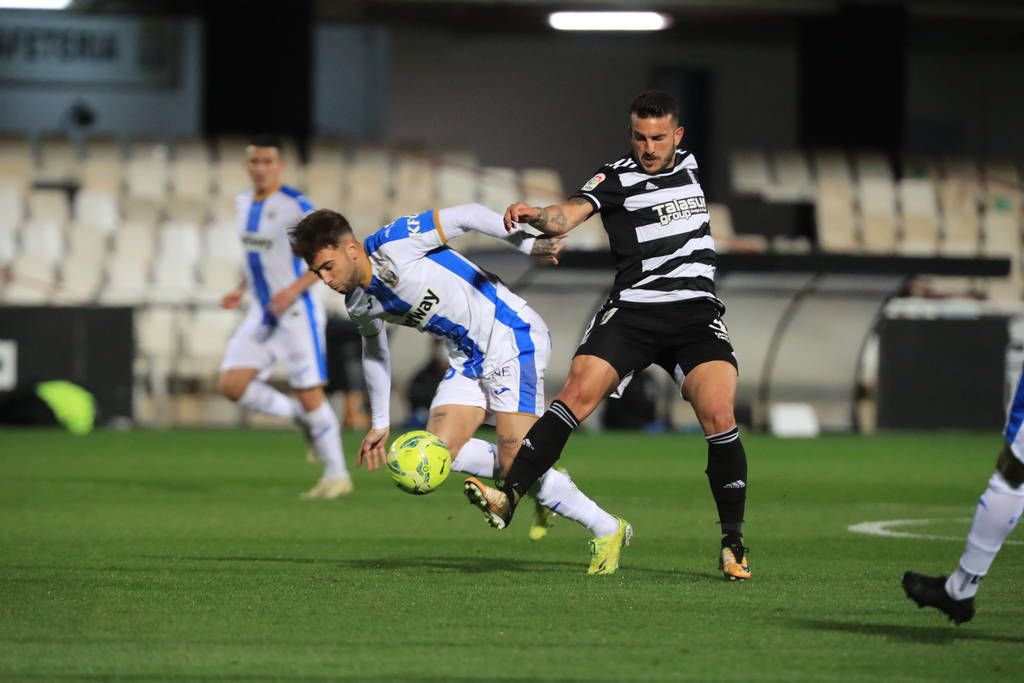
883,529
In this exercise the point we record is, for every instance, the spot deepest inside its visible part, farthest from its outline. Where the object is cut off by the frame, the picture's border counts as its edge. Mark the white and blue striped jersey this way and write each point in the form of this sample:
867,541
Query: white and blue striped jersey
1013,434
270,265
418,281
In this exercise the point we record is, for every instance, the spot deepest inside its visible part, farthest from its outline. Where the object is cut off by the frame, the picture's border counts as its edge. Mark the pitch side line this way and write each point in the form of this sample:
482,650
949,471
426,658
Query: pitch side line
883,529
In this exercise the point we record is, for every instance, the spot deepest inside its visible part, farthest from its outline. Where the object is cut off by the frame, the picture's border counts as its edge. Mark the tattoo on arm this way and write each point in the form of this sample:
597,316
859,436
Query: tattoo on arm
553,221
510,442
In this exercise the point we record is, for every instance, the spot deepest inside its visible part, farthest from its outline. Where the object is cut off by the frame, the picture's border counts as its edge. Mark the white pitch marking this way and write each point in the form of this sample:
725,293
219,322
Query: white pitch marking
882,529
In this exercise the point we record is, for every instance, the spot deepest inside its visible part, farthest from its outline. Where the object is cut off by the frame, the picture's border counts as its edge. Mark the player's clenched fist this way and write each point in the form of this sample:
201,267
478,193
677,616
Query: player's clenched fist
520,213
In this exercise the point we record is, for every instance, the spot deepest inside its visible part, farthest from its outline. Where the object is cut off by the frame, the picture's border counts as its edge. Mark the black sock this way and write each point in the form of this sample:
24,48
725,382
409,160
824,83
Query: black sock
541,447
727,474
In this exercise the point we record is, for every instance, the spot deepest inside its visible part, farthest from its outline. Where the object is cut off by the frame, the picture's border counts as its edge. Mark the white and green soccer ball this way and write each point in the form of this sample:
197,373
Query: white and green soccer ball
419,462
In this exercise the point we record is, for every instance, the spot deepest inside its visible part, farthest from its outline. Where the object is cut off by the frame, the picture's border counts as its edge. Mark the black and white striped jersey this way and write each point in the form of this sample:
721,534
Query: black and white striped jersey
659,231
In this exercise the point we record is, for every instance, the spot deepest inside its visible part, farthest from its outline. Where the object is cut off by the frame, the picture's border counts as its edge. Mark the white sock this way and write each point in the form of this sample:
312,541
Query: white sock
998,511
477,457
559,494
326,431
263,398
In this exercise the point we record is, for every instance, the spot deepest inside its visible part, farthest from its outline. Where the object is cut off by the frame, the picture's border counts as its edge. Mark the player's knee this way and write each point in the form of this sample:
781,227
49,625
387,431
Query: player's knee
231,387
717,419
580,400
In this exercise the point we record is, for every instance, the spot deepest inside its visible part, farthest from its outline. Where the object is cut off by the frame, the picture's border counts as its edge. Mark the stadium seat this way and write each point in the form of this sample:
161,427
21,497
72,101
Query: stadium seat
748,172
367,190
80,278
49,205
415,185
221,242
147,179
962,168
456,184
231,177
180,242
878,215
12,205
872,166
223,208
217,277
231,149
499,187
191,179
174,281
7,244
58,158
920,217
959,201
103,148
191,151
185,210
832,166
141,210
205,335
542,186
42,240
726,239
157,346
1002,173
791,178
31,282
135,241
103,175
126,282
835,217
326,152
915,166
325,184
97,209
86,242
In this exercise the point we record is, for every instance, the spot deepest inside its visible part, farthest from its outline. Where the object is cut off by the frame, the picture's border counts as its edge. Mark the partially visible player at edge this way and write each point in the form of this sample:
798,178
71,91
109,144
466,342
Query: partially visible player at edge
498,347
662,310
999,509
286,320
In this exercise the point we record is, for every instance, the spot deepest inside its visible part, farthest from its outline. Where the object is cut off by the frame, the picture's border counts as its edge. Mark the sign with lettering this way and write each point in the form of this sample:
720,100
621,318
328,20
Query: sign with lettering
77,49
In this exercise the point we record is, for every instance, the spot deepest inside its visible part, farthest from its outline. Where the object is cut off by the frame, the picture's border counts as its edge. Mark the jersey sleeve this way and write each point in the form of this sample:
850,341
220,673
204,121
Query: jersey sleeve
603,191
408,238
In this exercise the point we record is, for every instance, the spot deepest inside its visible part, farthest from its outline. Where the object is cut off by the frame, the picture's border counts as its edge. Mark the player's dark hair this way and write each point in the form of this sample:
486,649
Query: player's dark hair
317,230
267,140
653,104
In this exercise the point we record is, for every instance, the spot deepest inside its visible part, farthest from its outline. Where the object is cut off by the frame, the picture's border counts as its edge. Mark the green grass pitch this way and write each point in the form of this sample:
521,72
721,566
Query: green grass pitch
187,555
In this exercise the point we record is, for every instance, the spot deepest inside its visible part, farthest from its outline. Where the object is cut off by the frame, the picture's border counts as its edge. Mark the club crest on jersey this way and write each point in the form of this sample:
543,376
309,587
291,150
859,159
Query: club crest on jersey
419,314
593,182
387,276
255,242
680,209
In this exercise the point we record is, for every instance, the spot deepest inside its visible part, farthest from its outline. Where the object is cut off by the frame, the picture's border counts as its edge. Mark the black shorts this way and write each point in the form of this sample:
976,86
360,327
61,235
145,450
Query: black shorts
678,338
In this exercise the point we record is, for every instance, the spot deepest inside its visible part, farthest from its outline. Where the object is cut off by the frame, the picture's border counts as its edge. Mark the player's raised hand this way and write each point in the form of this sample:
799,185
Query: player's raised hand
520,213
546,250
372,451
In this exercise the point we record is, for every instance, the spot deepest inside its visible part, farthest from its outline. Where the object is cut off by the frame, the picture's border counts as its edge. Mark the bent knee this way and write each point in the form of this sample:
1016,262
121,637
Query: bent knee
231,387
717,420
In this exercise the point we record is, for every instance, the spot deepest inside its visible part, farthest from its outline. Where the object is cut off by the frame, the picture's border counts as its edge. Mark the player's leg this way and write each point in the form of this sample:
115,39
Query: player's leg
324,431
455,424
613,346
999,509
299,344
711,389
244,359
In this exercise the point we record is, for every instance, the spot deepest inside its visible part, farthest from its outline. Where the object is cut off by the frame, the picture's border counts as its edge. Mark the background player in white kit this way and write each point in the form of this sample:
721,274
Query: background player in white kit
999,509
286,319
498,347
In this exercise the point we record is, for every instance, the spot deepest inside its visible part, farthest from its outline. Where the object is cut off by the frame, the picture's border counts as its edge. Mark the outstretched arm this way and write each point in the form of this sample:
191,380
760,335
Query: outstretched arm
553,220
377,373
458,220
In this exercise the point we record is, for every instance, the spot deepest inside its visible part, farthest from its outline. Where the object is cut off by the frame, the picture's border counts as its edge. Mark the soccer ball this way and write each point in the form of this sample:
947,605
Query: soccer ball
419,462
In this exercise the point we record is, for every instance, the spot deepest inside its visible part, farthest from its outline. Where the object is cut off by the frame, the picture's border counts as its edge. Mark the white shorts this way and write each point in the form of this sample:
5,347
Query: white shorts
516,385
297,342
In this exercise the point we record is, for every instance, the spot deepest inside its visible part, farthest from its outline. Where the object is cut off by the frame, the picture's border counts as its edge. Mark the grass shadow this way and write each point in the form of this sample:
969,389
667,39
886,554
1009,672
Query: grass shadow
937,635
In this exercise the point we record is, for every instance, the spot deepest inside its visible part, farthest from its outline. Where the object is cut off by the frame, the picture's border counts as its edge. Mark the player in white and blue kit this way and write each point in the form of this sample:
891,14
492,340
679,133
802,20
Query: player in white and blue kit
286,319
999,509
498,347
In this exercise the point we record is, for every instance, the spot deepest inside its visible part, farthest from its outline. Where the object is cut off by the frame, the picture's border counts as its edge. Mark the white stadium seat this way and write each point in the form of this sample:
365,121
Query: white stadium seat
499,187
920,217
126,282
96,208
221,242
43,240
49,205
180,242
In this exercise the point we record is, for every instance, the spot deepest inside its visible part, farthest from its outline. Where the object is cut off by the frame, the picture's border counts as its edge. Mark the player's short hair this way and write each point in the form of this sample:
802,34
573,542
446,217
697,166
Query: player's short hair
266,140
317,230
653,104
